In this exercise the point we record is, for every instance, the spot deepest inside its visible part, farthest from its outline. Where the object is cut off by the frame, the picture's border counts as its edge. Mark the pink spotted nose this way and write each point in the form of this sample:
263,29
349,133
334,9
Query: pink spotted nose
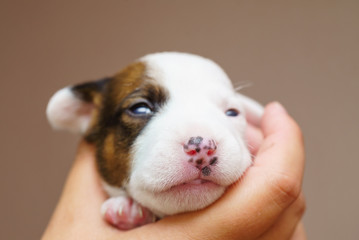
201,153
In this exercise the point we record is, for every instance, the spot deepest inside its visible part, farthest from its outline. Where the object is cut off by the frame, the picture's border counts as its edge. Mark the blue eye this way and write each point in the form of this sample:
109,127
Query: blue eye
141,109
232,112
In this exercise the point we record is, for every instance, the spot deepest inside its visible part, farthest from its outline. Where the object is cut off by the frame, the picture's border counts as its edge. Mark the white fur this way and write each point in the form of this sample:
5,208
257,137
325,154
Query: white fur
200,93
66,112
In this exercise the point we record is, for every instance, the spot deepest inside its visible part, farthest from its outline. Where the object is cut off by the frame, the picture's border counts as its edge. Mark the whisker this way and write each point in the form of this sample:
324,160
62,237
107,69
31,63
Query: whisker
242,85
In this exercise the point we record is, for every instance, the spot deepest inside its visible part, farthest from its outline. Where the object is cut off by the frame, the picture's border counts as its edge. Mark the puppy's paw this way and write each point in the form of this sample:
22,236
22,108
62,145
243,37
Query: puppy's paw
125,214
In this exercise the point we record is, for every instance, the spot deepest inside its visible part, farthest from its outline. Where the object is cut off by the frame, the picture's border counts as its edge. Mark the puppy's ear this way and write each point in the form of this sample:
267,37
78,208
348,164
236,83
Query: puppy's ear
71,108
253,110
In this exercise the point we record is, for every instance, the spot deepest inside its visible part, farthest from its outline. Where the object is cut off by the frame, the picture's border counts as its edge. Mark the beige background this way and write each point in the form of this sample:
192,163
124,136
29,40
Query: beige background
302,53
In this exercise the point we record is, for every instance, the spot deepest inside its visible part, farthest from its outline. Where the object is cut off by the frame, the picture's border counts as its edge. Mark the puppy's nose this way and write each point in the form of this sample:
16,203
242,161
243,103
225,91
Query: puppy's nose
196,145
202,153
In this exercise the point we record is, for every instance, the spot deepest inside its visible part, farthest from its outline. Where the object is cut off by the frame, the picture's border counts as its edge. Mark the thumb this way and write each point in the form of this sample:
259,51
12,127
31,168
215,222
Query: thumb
82,194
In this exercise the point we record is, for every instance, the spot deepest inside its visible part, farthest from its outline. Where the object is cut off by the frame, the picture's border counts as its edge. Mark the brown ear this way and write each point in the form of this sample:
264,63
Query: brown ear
71,108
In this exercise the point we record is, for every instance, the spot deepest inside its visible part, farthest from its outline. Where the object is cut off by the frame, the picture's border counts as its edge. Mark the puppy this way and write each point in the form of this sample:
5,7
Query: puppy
168,131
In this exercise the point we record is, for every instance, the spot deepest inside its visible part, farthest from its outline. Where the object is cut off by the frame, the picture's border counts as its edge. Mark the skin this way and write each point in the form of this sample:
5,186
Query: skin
267,203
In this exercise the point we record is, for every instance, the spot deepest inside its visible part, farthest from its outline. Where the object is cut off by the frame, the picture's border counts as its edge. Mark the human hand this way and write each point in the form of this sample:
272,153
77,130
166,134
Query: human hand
265,204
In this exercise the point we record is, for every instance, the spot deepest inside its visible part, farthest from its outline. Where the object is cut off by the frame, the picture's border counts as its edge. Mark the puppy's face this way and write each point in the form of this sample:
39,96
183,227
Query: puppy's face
168,130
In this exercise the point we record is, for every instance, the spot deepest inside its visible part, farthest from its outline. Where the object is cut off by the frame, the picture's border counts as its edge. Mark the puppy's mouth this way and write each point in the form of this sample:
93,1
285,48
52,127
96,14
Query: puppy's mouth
193,186
197,181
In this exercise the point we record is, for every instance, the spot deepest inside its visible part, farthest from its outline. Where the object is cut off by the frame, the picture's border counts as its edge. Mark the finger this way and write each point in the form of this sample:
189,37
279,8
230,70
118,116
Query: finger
299,233
281,155
283,136
254,138
286,224
82,194
83,181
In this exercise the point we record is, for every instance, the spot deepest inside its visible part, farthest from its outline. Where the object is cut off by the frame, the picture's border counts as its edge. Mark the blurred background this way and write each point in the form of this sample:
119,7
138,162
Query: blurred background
304,54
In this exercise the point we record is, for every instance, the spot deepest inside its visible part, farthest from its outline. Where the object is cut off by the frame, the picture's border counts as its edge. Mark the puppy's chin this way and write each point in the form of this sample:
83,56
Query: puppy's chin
185,197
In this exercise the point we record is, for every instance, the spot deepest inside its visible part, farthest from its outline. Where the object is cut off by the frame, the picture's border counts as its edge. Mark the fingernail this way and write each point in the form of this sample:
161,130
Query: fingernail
276,106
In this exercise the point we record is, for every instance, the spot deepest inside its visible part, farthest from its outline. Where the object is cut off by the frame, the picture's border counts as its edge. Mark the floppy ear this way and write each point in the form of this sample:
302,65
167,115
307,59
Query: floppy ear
71,108
253,110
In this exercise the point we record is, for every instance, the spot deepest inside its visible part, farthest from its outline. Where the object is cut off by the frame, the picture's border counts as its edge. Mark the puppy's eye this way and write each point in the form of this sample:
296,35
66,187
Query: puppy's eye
141,109
232,112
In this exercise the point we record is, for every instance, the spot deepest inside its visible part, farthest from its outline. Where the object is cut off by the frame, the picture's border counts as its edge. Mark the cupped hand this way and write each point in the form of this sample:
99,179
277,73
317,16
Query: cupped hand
266,203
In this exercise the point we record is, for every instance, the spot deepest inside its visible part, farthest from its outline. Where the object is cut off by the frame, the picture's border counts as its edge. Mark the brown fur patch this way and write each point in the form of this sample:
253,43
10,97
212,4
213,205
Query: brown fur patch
114,129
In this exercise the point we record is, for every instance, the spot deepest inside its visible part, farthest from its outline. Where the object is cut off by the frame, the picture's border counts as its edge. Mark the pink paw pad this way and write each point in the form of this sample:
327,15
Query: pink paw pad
125,214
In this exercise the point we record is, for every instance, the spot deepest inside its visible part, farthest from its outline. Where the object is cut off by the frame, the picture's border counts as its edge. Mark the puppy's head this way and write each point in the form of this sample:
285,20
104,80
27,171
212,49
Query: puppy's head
168,129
